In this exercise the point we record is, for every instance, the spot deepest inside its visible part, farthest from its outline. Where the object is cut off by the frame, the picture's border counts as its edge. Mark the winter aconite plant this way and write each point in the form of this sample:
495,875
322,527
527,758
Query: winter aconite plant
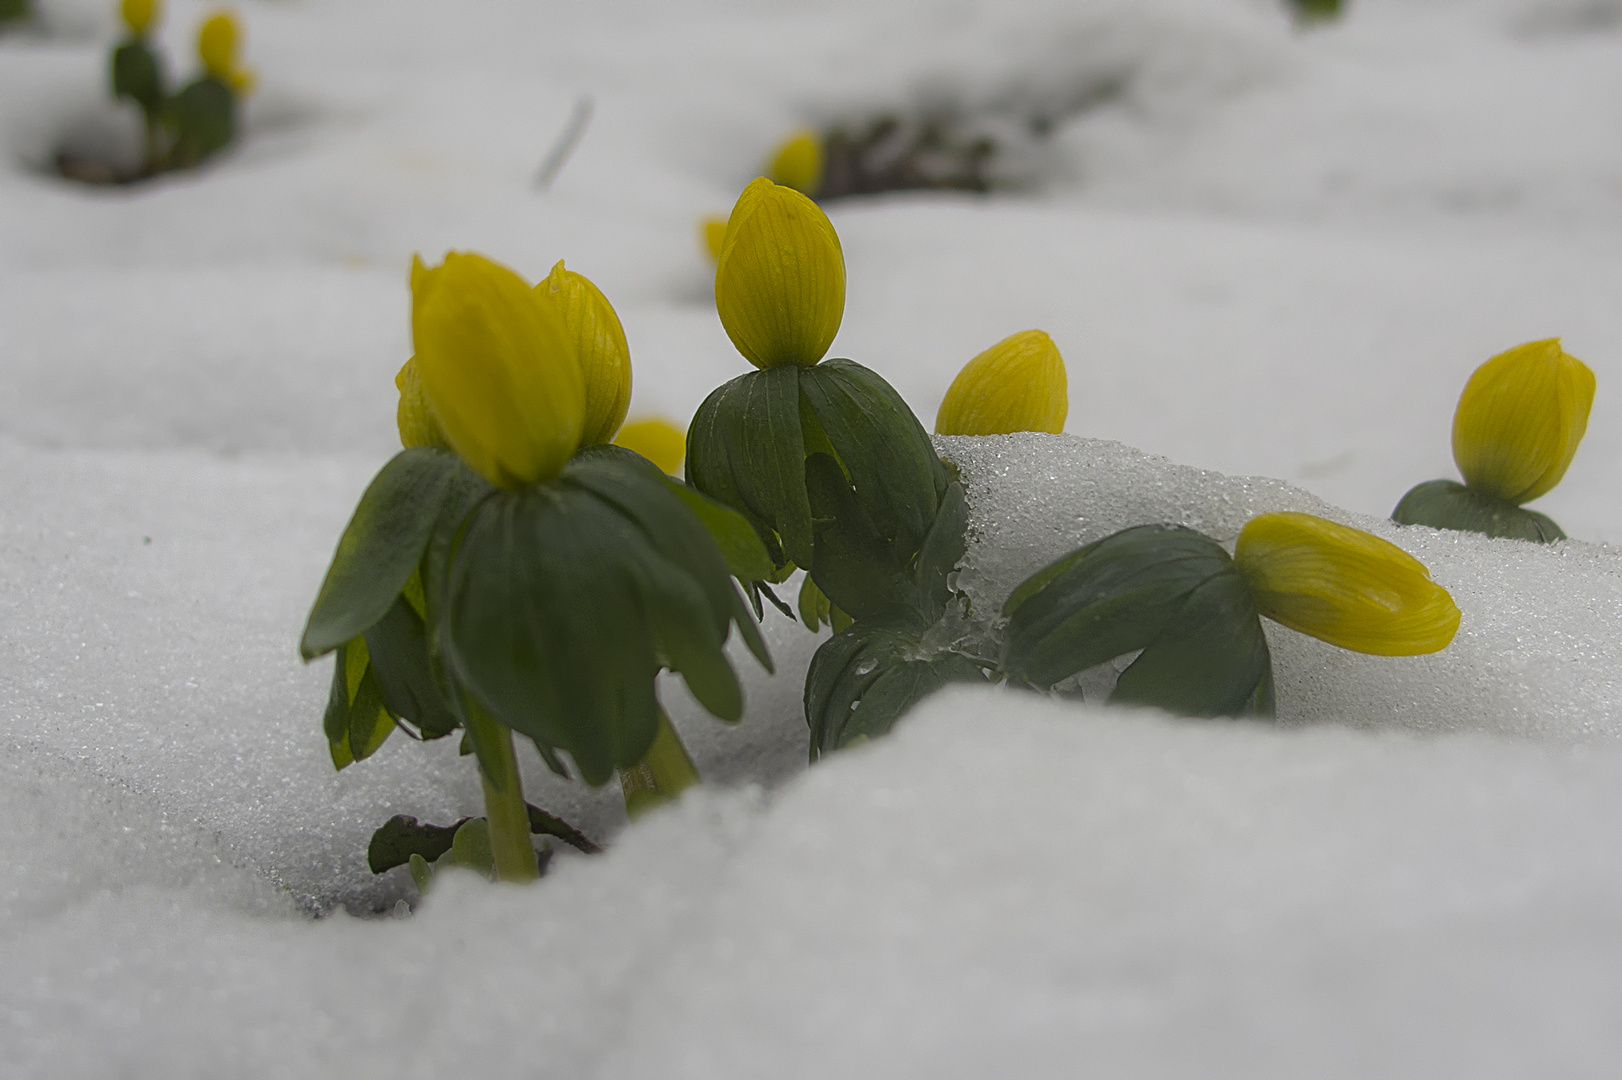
1517,427
838,477
185,126
511,573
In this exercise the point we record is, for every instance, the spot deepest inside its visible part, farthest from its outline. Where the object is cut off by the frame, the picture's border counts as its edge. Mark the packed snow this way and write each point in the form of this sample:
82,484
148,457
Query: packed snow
1270,256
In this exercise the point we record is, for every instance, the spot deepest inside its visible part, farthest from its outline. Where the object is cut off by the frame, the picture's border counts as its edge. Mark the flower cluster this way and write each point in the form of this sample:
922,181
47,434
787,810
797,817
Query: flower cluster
182,127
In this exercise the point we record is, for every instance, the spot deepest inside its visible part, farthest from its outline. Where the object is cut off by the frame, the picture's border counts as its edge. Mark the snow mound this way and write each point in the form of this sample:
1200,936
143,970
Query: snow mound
1537,653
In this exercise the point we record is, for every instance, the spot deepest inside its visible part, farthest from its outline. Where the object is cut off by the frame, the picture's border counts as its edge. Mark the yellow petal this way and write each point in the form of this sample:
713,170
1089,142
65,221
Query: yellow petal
139,15
217,44
1520,419
656,439
599,344
417,423
498,370
1344,586
714,230
780,279
1016,385
797,162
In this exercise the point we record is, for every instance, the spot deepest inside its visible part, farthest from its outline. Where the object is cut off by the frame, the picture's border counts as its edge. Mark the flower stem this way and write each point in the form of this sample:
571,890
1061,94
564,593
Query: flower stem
504,807
664,772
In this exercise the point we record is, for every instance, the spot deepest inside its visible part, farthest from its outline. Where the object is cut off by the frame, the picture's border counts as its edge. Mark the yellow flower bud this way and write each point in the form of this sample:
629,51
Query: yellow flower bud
780,278
599,345
217,48
1520,419
714,231
1344,586
1016,385
498,369
656,439
797,162
139,15
417,423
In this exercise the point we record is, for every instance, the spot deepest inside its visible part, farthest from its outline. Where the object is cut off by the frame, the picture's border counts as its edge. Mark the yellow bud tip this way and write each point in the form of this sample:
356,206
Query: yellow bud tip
498,369
1520,419
656,439
217,47
140,15
1344,586
797,162
1018,384
599,344
780,277
713,230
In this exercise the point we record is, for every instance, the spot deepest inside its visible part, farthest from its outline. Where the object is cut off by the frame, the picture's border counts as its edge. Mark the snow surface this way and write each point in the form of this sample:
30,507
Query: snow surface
1269,253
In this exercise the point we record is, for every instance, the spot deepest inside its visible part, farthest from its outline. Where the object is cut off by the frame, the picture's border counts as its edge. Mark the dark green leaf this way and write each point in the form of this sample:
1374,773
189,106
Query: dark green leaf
1166,590
868,675
745,449
856,568
738,541
203,119
943,548
540,822
380,547
398,645
137,74
1447,504
402,837
897,477
370,724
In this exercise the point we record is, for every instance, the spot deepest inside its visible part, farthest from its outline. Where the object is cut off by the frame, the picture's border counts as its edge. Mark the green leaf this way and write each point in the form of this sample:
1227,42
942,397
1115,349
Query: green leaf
402,837
868,675
1166,590
381,546
815,608
543,823
470,847
943,548
855,567
398,647
370,724
1447,504
897,477
737,540
745,449
137,74
203,118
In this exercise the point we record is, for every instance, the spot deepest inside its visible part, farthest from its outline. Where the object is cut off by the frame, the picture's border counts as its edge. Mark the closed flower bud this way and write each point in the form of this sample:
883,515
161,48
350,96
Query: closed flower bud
798,162
217,48
498,369
417,423
1016,385
714,232
656,439
139,15
1344,586
1520,419
780,280
599,345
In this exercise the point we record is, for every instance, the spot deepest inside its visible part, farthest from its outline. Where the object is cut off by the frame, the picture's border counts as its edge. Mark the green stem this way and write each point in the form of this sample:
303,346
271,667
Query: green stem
154,144
504,807
664,772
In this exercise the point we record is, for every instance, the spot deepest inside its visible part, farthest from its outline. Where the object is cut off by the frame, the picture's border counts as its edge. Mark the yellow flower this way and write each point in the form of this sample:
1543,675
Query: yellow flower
1016,385
139,15
656,439
1520,419
599,345
417,423
714,231
1344,586
217,48
797,162
780,278
498,369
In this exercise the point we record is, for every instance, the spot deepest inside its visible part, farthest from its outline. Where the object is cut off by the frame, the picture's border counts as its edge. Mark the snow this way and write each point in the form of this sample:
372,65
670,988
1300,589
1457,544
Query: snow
1264,254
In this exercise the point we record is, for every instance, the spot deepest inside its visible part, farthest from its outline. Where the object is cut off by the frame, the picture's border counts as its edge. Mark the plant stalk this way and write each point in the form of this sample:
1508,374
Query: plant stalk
504,807
664,772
